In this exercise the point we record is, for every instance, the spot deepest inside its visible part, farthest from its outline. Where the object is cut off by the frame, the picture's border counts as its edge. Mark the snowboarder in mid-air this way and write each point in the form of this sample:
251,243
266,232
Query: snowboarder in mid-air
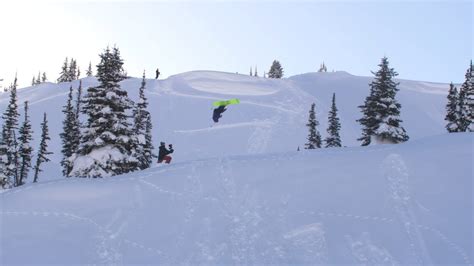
218,113
163,153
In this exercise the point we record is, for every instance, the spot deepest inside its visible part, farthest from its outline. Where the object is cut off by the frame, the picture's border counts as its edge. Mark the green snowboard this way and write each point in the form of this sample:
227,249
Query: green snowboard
225,103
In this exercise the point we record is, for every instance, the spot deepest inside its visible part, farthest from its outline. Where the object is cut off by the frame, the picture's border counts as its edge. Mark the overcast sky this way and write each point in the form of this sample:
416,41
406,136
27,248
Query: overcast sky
431,41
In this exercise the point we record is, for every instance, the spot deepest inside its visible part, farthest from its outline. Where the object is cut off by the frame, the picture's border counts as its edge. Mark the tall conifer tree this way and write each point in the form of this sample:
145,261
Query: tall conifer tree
25,149
8,145
314,138
43,148
107,130
333,139
381,111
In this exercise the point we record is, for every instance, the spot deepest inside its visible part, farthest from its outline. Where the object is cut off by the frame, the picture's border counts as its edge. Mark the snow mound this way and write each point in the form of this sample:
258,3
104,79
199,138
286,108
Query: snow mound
226,83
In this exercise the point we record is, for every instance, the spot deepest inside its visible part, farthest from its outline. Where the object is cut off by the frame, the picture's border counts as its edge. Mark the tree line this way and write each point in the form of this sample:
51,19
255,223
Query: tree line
16,151
381,122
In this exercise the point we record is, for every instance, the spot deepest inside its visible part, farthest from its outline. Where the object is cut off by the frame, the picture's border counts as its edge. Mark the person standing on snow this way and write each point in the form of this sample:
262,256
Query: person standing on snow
163,153
157,73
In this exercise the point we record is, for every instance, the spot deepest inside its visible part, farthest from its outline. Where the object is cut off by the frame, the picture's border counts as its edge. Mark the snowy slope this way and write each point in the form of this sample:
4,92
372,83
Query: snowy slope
271,117
389,204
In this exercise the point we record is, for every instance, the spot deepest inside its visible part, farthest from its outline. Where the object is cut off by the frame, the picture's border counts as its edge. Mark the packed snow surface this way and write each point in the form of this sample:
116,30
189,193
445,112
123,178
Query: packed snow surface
388,204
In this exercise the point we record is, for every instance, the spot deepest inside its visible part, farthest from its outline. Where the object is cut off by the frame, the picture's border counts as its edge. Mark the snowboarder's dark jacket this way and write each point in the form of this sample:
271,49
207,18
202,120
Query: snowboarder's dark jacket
163,152
218,113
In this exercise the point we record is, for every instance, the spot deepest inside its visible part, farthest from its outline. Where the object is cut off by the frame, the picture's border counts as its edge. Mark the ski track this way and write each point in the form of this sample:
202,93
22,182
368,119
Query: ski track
396,173
366,253
310,240
240,210
105,235
261,137
193,193
257,124
378,219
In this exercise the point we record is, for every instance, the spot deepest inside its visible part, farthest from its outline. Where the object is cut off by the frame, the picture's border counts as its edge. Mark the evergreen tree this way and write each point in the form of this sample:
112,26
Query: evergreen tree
89,70
142,129
25,149
72,70
322,68
43,148
78,100
8,145
78,73
148,155
44,78
276,71
251,73
16,160
255,73
38,79
466,102
70,135
333,139
452,110
107,131
64,74
33,81
314,138
381,112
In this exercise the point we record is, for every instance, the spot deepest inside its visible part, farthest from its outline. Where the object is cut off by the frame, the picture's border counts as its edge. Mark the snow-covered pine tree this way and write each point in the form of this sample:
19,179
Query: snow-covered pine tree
466,102
44,78
333,139
89,70
72,70
470,96
78,102
64,74
43,148
33,81
452,110
148,148
25,149
276,71
251,73
314,138
8,149
369,119
78,73
142,129
381,112
255,74
70,135
107,145
16,160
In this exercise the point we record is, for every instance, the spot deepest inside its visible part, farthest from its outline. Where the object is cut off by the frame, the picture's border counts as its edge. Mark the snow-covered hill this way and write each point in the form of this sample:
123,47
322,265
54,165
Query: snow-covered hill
382,205
270,118
238,192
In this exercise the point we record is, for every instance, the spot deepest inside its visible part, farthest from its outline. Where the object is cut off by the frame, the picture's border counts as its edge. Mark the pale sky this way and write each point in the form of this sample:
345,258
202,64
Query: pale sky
430,41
